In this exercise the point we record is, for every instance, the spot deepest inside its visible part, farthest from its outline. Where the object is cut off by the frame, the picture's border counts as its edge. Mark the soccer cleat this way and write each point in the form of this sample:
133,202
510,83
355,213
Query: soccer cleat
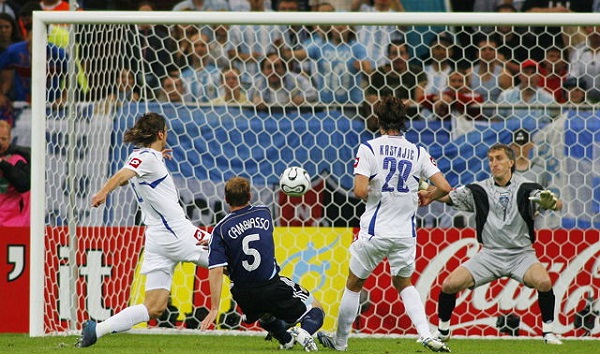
328,341
88,335
551,338
444,336
304,339
435,345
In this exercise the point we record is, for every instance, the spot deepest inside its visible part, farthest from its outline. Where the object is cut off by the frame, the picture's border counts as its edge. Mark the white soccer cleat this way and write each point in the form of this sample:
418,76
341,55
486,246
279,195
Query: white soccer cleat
435,345
551,338
302,337
328,341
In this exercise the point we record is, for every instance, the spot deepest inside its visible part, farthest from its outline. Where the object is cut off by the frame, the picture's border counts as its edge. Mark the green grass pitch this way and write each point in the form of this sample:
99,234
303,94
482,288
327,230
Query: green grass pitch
223,344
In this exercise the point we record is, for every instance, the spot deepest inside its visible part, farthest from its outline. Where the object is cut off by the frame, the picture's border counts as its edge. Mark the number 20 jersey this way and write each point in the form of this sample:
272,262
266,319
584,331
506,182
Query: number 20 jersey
394,166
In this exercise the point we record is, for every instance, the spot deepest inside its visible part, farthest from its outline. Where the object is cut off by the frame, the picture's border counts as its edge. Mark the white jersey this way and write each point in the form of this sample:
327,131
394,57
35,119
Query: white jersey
394,167
156,193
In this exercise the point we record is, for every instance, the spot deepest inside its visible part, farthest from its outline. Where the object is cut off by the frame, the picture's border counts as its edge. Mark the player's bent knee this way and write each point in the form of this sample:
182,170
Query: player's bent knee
545,285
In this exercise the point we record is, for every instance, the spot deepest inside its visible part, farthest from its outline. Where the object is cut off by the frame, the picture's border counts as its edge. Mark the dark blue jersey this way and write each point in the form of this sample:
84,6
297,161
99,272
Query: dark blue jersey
243,242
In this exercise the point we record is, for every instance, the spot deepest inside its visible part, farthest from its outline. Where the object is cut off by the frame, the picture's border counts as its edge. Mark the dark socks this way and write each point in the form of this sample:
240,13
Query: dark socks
313,320
277,328
546,303
446,304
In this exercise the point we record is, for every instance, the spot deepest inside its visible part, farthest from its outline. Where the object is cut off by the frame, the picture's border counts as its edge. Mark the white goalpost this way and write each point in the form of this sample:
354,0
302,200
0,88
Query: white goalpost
84,262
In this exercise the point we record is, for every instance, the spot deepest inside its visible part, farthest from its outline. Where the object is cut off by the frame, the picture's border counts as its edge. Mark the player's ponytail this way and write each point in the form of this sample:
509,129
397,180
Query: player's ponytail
146,129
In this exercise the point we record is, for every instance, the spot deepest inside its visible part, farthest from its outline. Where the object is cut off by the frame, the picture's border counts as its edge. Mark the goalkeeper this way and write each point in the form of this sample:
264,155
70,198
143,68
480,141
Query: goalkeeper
504,206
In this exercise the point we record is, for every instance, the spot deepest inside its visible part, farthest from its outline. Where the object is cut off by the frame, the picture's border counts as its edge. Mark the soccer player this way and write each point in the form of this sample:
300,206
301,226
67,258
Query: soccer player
242,246
387,171
170,237
504,206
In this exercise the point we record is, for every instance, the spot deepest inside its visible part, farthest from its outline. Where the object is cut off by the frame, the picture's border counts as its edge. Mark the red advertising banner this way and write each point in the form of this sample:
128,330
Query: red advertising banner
107,260
14,279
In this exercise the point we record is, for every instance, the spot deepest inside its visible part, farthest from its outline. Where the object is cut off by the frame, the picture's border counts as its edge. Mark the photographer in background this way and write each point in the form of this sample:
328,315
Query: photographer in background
15,180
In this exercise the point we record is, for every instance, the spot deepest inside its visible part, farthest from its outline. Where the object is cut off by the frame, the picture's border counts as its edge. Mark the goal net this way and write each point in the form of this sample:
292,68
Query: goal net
253,93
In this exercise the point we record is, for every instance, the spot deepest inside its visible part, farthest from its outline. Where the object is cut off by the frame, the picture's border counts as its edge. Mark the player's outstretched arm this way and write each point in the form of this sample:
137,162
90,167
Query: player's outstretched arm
118,179
215,279
439,192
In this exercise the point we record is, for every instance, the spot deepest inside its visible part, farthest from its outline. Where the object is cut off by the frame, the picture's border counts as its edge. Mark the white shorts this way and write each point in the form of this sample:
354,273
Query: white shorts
162,250
367,253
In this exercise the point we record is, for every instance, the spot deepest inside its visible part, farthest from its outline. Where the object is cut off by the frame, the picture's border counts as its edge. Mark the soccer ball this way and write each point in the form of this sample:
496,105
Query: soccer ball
294,181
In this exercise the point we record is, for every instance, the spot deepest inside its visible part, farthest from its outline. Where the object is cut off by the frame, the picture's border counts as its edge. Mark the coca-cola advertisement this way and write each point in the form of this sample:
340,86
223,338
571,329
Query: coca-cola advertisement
108,280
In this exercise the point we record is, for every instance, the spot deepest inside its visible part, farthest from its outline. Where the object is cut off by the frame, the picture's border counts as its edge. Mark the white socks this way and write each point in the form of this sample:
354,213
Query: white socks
415,310
347,315
123,321
548,327
444,326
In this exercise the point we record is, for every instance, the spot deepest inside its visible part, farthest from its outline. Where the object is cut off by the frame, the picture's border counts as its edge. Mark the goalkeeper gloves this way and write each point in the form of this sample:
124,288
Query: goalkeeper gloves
546,199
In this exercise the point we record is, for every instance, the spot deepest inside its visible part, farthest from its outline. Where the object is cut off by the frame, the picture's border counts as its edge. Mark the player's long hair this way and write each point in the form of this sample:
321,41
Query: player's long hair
146,129
391,113
237,192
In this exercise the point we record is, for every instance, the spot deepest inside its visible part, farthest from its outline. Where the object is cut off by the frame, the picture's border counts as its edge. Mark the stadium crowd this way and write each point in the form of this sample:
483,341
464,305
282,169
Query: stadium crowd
444,73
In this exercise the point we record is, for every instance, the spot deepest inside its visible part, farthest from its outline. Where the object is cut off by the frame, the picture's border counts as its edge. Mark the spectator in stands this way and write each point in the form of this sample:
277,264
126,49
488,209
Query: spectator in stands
10,8
575,90
149,49
173,89
584,63
488,76
533,169
9,33
553,36
218,46
232,90
398,78
202,78
320,32
439,65
522,147
338,5
25,18
514,43
15,76
125,88
554,70
249,44
488,5
294,37
278,86
250,5
55,5
341,63
527,93
181,34
201,5
374,38
457,100
15,177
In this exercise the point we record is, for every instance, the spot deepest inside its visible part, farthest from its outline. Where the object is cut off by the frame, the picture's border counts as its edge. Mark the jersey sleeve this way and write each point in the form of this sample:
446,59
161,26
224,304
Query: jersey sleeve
216,251
462,199
142,163
364,164
429,164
